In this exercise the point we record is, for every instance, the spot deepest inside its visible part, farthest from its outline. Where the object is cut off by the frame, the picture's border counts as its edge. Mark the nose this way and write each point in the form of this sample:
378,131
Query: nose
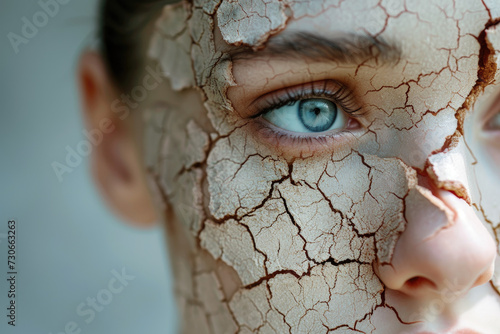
445,248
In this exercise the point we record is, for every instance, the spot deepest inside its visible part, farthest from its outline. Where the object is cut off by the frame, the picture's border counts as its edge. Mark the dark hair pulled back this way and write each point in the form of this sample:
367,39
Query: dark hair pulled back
122,25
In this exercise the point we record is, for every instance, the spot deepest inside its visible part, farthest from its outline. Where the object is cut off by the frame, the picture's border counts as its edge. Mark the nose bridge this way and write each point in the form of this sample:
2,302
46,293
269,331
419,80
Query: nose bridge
450,170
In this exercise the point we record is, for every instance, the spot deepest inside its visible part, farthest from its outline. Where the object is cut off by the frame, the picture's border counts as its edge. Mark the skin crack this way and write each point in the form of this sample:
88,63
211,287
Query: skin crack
298,238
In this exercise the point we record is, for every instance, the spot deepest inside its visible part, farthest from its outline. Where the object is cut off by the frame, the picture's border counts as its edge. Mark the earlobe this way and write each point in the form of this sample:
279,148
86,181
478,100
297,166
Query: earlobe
116,162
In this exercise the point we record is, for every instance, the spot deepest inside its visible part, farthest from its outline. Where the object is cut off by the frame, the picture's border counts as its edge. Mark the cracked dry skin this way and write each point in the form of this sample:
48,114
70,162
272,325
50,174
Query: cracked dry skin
387,224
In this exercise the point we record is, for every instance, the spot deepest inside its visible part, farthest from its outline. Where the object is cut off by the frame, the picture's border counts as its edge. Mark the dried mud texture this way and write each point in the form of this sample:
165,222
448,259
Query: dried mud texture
263,243
250,22
171,45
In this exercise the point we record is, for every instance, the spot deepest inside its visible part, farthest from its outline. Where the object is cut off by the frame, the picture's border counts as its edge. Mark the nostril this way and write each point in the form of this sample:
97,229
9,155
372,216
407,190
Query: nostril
419,282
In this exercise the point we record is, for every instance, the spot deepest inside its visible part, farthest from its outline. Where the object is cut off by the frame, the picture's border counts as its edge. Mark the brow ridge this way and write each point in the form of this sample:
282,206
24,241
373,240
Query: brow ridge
345,48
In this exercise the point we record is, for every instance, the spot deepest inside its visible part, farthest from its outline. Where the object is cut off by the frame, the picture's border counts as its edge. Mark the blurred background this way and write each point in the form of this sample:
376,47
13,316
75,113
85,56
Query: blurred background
69,246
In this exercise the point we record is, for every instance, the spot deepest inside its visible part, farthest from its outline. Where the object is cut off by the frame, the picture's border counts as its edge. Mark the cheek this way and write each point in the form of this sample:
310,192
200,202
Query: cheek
175,147
366,193
310,228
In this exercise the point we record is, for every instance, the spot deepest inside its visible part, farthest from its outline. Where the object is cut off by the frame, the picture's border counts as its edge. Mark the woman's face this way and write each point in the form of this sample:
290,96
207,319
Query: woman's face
332,166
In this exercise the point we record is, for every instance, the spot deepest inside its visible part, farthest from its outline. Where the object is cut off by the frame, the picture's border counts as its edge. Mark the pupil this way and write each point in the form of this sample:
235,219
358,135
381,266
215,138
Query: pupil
317,115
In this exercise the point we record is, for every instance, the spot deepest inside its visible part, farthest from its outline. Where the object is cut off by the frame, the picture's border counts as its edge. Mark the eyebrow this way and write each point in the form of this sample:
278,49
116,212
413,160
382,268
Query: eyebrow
347,48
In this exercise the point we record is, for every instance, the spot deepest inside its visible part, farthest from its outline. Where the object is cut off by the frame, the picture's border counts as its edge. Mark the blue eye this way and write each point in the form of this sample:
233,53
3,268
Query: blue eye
317,115
308,116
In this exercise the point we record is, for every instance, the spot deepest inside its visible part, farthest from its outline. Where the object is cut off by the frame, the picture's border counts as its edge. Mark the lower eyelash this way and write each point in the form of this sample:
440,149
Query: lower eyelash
293,141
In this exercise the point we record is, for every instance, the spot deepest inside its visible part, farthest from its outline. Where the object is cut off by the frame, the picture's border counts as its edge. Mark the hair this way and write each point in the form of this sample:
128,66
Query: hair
122,28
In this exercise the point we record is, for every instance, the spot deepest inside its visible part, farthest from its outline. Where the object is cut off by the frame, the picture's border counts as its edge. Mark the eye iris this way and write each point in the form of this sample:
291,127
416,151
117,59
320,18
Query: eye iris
317,114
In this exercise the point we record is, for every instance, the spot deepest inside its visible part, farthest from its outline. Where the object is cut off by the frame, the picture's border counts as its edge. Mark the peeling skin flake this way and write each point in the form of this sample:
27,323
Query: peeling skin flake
250,22
232,243
240,183
171,44
493,37
448,169
331,292
362,230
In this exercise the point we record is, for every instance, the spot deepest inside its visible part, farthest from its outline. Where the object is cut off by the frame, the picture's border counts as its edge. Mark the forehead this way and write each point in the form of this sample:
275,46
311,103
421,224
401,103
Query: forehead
423,30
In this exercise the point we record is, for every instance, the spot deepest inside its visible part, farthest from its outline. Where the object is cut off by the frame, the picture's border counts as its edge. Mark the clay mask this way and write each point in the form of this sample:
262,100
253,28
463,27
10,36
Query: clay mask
329,166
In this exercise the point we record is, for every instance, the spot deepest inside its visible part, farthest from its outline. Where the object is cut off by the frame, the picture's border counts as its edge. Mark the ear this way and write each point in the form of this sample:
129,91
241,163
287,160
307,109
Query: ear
115,159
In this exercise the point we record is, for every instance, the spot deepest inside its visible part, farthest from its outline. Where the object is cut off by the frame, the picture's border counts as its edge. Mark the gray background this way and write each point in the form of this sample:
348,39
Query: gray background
68,243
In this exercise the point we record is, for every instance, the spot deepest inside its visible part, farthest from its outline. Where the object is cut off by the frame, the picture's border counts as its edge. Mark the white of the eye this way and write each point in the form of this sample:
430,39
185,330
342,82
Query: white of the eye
287,118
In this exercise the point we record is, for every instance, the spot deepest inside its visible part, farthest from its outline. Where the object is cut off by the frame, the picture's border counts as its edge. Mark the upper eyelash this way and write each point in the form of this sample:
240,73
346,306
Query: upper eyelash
342,96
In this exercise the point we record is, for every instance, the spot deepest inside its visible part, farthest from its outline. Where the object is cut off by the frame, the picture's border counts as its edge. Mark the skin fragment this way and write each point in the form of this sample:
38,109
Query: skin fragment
268,237
233,244
171,45
250,22
448,169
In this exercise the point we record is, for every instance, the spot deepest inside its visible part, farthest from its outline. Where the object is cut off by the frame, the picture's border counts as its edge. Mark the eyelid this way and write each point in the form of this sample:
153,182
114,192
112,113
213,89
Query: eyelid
292,144
328,89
